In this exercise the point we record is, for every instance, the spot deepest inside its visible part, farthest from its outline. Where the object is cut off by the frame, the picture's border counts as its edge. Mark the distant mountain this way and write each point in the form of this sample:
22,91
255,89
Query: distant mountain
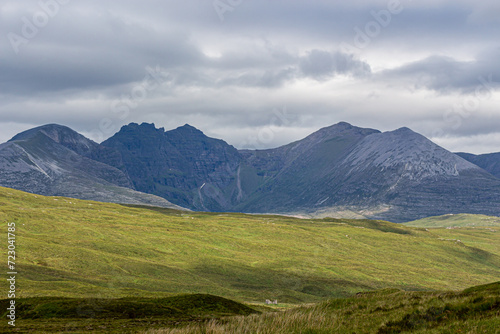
340,171
345,170
55,160
302,174
182,165
489,162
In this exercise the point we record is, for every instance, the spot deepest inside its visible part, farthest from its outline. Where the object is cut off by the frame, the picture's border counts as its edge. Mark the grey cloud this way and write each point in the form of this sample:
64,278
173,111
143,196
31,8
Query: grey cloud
95,49
485,12
319,64
445,74
420,24
266,79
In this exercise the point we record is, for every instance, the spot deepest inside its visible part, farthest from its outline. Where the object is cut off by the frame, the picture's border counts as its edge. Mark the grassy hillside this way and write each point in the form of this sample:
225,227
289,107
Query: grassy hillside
475,310
56,314
73,248
459,220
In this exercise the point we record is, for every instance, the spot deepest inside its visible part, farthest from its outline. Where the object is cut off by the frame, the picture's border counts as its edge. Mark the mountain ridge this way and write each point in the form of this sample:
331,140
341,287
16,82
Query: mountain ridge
183,164
395,175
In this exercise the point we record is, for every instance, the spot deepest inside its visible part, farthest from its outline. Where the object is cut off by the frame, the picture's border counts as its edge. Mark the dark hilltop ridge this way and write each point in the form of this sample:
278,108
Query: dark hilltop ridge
340,170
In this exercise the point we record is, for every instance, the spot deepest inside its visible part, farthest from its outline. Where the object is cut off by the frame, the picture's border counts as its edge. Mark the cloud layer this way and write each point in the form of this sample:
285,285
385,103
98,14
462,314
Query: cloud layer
231,67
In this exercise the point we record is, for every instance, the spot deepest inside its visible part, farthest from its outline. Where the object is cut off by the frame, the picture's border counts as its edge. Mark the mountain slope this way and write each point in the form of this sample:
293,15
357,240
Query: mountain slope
182,165
298,175
489,162
413,177
46,161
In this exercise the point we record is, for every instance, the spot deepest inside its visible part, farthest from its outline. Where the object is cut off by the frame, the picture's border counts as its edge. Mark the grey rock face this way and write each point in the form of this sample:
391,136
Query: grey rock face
416,156
182,165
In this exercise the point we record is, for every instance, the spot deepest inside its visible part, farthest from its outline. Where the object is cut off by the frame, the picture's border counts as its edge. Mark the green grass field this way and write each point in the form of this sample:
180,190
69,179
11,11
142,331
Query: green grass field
474,310
82,249
73,248
82,315
458,220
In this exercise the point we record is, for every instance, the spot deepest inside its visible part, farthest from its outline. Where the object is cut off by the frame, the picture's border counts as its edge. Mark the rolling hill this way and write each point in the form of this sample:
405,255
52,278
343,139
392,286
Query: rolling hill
75,248
460,220
473,310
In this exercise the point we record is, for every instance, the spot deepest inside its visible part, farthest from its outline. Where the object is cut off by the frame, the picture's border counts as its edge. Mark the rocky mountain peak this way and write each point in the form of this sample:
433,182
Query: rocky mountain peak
142,128
398,175
188,127
339,129
186,130
57,133
149,129
62,135
404,148
343,127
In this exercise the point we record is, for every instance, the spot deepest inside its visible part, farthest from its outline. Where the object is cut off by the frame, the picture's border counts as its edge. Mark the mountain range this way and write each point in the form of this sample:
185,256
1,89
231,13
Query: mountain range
55,160
341,170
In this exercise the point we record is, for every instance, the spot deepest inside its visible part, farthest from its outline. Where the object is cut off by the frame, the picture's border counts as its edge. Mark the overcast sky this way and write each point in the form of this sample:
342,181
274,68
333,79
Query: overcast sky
255,73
